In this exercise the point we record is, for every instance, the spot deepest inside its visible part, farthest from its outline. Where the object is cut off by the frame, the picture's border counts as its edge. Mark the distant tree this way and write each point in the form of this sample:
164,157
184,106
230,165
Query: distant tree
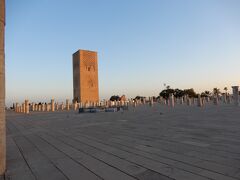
216,91
206,94
141,98
225,89
138,97
115,98
154,98
166,92
178,93
190,92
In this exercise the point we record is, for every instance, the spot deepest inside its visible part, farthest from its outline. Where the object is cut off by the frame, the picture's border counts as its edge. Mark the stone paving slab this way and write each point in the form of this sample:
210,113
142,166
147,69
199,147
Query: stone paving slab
146,143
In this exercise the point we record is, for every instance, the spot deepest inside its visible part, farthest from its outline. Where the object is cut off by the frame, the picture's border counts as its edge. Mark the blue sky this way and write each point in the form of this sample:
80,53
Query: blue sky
141,45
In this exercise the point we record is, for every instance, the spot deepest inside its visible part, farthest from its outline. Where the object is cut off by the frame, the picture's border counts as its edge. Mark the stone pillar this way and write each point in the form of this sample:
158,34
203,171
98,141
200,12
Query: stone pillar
52,105
26,107
171,100
228,99
189,102
203,101
75,105
2,90
23,108
44,107
33,106
215,100
181,100
224,98
57,106
235,95
135,104
16,108
48,107
81,104
144,100
150,101
199,101
40,108
67,105
207,99
193,100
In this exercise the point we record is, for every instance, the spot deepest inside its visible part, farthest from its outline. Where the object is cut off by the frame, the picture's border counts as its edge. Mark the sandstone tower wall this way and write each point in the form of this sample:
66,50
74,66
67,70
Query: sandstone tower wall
85,76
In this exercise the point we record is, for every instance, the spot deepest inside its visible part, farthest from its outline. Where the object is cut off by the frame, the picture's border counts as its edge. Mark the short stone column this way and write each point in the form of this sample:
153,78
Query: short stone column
81,104
150,101
39,107
67,105
224,98
75,106
207,99
171,100
164,101
181,100
26,106
215,100
189,102
48,107
62,106
33,106
203,101
199,101
134,103
193,100
235,95
43,107
52,105
144,100
228,99
16,108
23,108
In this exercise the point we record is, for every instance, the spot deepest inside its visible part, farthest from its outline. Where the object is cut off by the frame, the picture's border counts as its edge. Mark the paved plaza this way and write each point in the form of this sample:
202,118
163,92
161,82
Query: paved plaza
146,143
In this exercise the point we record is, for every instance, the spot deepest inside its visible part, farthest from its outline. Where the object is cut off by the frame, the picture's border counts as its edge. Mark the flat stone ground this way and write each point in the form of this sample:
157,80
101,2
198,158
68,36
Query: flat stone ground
148,143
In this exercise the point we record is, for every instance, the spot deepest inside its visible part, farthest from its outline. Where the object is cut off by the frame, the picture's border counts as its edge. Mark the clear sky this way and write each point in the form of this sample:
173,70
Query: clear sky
141,45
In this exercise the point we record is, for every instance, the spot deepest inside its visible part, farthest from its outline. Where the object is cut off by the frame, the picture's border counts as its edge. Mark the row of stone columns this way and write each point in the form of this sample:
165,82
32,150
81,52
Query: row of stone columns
199,101
235,95
171,101
26,107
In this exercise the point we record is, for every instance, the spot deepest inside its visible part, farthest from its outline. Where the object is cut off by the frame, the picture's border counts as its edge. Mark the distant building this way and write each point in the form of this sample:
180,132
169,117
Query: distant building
85,76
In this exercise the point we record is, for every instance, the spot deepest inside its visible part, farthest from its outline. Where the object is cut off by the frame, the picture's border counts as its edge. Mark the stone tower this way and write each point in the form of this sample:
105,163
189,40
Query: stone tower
85,76
2,90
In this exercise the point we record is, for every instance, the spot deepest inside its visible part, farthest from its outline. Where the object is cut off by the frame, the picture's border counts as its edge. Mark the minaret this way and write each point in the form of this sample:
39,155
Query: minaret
85,76
2,90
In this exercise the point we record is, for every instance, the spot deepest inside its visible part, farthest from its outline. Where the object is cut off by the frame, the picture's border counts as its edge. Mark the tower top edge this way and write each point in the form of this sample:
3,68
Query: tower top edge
83,50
